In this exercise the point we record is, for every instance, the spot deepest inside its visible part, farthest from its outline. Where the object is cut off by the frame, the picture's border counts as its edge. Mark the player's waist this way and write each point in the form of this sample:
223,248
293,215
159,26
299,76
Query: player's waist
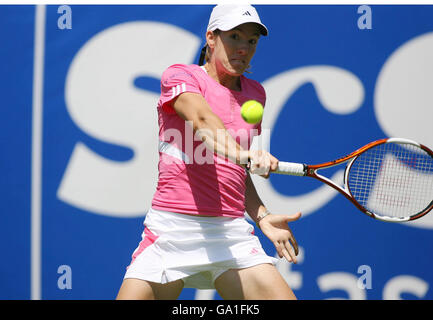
191,209
178,226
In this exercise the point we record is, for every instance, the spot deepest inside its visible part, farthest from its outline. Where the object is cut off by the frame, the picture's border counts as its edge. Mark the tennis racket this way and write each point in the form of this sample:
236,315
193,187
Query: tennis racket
388,179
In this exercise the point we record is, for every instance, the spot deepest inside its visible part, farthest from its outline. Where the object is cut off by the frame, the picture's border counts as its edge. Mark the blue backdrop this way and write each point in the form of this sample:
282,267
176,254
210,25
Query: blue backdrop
336,77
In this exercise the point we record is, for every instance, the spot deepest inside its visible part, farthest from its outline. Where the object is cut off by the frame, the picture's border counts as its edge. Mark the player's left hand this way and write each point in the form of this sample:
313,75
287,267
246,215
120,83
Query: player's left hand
275,227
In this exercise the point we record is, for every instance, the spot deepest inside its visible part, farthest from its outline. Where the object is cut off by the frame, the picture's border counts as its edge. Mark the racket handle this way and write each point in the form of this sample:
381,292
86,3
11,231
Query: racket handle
290,168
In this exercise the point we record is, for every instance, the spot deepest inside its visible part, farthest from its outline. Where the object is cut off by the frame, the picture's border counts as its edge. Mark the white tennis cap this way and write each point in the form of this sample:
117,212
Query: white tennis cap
227,16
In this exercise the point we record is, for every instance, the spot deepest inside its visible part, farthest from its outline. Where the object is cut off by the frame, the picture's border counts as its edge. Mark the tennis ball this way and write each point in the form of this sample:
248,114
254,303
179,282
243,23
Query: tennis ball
252,111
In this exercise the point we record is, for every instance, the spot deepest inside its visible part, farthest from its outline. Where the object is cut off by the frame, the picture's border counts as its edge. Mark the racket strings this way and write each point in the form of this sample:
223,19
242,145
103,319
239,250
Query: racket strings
393,179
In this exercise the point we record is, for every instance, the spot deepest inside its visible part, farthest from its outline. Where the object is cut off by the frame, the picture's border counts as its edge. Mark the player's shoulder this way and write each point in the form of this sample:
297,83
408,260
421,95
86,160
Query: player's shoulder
179,70
179,67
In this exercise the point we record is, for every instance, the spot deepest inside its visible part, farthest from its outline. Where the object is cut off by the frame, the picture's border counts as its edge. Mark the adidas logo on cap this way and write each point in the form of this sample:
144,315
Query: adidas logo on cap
225,17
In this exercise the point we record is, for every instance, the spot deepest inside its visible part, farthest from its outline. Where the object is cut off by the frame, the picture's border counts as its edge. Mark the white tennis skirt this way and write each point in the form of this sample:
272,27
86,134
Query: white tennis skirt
195,249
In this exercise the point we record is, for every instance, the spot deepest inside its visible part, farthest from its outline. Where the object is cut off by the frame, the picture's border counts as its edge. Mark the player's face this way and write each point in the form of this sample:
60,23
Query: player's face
235,48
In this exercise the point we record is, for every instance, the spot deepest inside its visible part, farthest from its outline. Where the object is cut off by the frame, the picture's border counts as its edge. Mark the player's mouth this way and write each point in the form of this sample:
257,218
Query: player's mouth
239,62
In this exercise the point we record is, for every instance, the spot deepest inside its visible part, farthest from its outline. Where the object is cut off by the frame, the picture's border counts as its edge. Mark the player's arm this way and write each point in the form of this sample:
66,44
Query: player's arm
192,107
274,226
209,127
253,204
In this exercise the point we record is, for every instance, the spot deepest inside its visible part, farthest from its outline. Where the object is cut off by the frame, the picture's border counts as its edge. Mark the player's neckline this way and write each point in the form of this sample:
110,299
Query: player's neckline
231,90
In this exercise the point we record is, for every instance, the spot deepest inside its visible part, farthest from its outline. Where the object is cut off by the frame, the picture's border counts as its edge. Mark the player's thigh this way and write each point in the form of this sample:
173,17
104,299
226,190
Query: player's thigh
137,289
262,281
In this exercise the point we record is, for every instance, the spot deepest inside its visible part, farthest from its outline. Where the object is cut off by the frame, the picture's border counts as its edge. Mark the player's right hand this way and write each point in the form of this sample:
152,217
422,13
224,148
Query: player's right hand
262,162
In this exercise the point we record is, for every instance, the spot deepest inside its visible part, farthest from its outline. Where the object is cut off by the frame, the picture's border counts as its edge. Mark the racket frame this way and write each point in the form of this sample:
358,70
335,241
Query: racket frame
311,171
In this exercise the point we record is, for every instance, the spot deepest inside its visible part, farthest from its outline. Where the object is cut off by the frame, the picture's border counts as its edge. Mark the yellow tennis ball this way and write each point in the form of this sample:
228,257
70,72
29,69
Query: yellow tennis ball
252,111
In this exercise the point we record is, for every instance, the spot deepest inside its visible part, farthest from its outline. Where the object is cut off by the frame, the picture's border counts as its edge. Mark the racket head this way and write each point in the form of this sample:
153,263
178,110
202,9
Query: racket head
392,180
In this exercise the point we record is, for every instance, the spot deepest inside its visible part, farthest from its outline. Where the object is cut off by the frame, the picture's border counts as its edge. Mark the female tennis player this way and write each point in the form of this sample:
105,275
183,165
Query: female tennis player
196,234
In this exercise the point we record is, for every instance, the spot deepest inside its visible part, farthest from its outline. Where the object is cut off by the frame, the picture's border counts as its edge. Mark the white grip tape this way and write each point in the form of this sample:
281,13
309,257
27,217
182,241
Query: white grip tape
290,168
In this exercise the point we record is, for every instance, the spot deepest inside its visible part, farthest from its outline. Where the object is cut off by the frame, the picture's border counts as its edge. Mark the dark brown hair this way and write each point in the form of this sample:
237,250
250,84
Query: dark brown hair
205,53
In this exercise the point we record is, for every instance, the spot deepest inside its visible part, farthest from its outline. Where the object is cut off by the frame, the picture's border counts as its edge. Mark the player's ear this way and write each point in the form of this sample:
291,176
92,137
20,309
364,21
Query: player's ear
210,39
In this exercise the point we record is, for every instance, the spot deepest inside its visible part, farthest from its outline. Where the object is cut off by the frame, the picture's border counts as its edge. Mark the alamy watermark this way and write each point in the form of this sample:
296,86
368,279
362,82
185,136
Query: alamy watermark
366,278
65,20
199,147
64,282
365,21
